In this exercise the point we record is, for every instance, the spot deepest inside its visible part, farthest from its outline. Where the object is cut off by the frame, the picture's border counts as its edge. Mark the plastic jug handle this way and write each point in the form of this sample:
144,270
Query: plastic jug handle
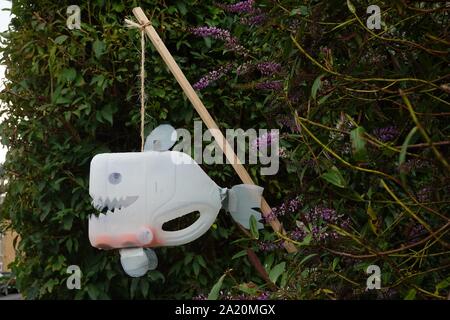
207,217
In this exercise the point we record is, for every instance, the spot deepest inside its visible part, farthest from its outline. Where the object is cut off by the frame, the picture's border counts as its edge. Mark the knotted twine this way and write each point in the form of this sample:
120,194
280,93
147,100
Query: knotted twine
132,24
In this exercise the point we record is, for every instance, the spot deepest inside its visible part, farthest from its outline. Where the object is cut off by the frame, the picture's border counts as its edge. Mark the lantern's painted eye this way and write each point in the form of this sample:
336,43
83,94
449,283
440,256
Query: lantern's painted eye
115,178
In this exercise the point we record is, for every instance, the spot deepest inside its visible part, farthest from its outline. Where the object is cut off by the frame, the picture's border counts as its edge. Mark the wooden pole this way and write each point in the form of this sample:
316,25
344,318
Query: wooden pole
205,116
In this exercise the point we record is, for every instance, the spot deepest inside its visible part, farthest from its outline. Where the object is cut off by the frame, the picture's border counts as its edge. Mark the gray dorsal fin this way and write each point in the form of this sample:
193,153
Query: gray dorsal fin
162,138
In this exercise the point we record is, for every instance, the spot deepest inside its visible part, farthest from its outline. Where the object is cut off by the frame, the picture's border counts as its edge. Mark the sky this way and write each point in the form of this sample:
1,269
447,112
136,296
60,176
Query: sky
4,21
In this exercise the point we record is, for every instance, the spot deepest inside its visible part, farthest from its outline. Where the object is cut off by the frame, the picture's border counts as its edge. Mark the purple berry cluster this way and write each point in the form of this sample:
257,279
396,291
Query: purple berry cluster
265,141
268,246
416,232
294,97
268,68
414,164
212,76
231,42
270,85
247,6
287,208
316,222
264,295
245,68
425,194
255,19
386,134
288,122
255,16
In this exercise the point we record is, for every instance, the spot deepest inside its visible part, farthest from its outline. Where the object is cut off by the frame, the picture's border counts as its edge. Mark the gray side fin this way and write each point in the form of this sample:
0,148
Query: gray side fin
240,202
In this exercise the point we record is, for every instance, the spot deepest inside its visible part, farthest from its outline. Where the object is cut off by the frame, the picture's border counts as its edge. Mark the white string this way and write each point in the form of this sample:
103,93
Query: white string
132,24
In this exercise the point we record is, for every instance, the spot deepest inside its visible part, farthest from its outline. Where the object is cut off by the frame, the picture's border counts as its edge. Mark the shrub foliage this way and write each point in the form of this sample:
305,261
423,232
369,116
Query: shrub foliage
363,118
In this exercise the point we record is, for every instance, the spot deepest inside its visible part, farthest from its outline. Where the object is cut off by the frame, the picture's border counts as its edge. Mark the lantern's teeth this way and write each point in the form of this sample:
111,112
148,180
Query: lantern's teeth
113,204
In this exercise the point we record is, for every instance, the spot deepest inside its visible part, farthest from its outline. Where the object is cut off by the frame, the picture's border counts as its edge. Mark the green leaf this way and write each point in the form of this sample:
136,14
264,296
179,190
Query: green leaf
196,268
246,288
276,271
201,261
144,288
323,99
239,254
69,74
334,177
302,10
182,8
214,294
351,7
411,295
158,92
307,258
118,7
92,292
335,263
442,285
133,287
316,86
358,144
372,214
307,240
254,227
67,222
60,39
107,113
207,41
372,219
402,156
99,48
156,275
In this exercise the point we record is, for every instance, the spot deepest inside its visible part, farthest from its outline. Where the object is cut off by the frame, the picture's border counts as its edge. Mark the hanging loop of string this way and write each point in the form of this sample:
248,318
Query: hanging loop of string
132,24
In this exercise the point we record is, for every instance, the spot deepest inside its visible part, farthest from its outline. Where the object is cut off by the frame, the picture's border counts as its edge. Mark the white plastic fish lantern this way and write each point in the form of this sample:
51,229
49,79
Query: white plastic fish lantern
140,191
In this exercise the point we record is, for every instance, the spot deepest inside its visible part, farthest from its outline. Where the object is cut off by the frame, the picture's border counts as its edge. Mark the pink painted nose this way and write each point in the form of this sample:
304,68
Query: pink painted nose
142,238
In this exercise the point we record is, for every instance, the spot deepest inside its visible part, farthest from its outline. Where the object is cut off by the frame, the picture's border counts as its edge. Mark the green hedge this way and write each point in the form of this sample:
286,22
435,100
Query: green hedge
71,95
345,132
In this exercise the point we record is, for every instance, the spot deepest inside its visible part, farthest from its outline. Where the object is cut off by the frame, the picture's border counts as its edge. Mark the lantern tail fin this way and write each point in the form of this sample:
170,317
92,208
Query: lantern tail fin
241,201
